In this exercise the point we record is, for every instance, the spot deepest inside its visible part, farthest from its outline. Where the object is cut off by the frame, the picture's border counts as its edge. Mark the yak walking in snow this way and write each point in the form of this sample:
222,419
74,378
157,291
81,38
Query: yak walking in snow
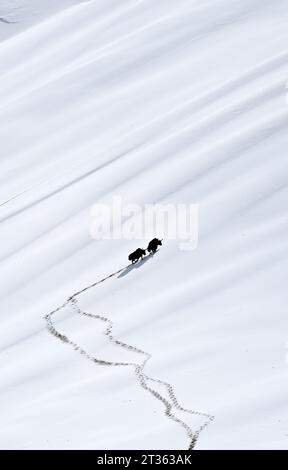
136,255
153,245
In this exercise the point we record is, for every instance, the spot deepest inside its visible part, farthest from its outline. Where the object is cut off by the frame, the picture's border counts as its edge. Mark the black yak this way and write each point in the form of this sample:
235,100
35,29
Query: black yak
136,255
153,245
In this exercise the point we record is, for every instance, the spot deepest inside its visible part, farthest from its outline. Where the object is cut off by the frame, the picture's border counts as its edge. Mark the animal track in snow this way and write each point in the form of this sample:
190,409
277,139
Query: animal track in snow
170,402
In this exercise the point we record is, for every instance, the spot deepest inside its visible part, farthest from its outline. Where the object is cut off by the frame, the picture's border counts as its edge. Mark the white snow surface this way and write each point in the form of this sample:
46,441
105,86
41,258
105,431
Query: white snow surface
154,101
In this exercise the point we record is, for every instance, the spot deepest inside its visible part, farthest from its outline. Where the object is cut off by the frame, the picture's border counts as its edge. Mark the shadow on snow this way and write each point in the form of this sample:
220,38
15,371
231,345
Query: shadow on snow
135,265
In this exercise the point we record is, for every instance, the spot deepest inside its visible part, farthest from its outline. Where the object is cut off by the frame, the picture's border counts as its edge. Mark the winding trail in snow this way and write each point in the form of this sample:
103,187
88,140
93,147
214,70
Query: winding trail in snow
143,380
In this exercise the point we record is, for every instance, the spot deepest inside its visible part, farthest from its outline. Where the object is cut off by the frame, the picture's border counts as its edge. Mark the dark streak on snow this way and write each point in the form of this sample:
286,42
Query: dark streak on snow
5,20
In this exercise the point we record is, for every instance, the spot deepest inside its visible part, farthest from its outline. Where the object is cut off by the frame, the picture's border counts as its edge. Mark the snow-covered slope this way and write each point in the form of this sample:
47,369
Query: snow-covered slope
155,102
18,15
